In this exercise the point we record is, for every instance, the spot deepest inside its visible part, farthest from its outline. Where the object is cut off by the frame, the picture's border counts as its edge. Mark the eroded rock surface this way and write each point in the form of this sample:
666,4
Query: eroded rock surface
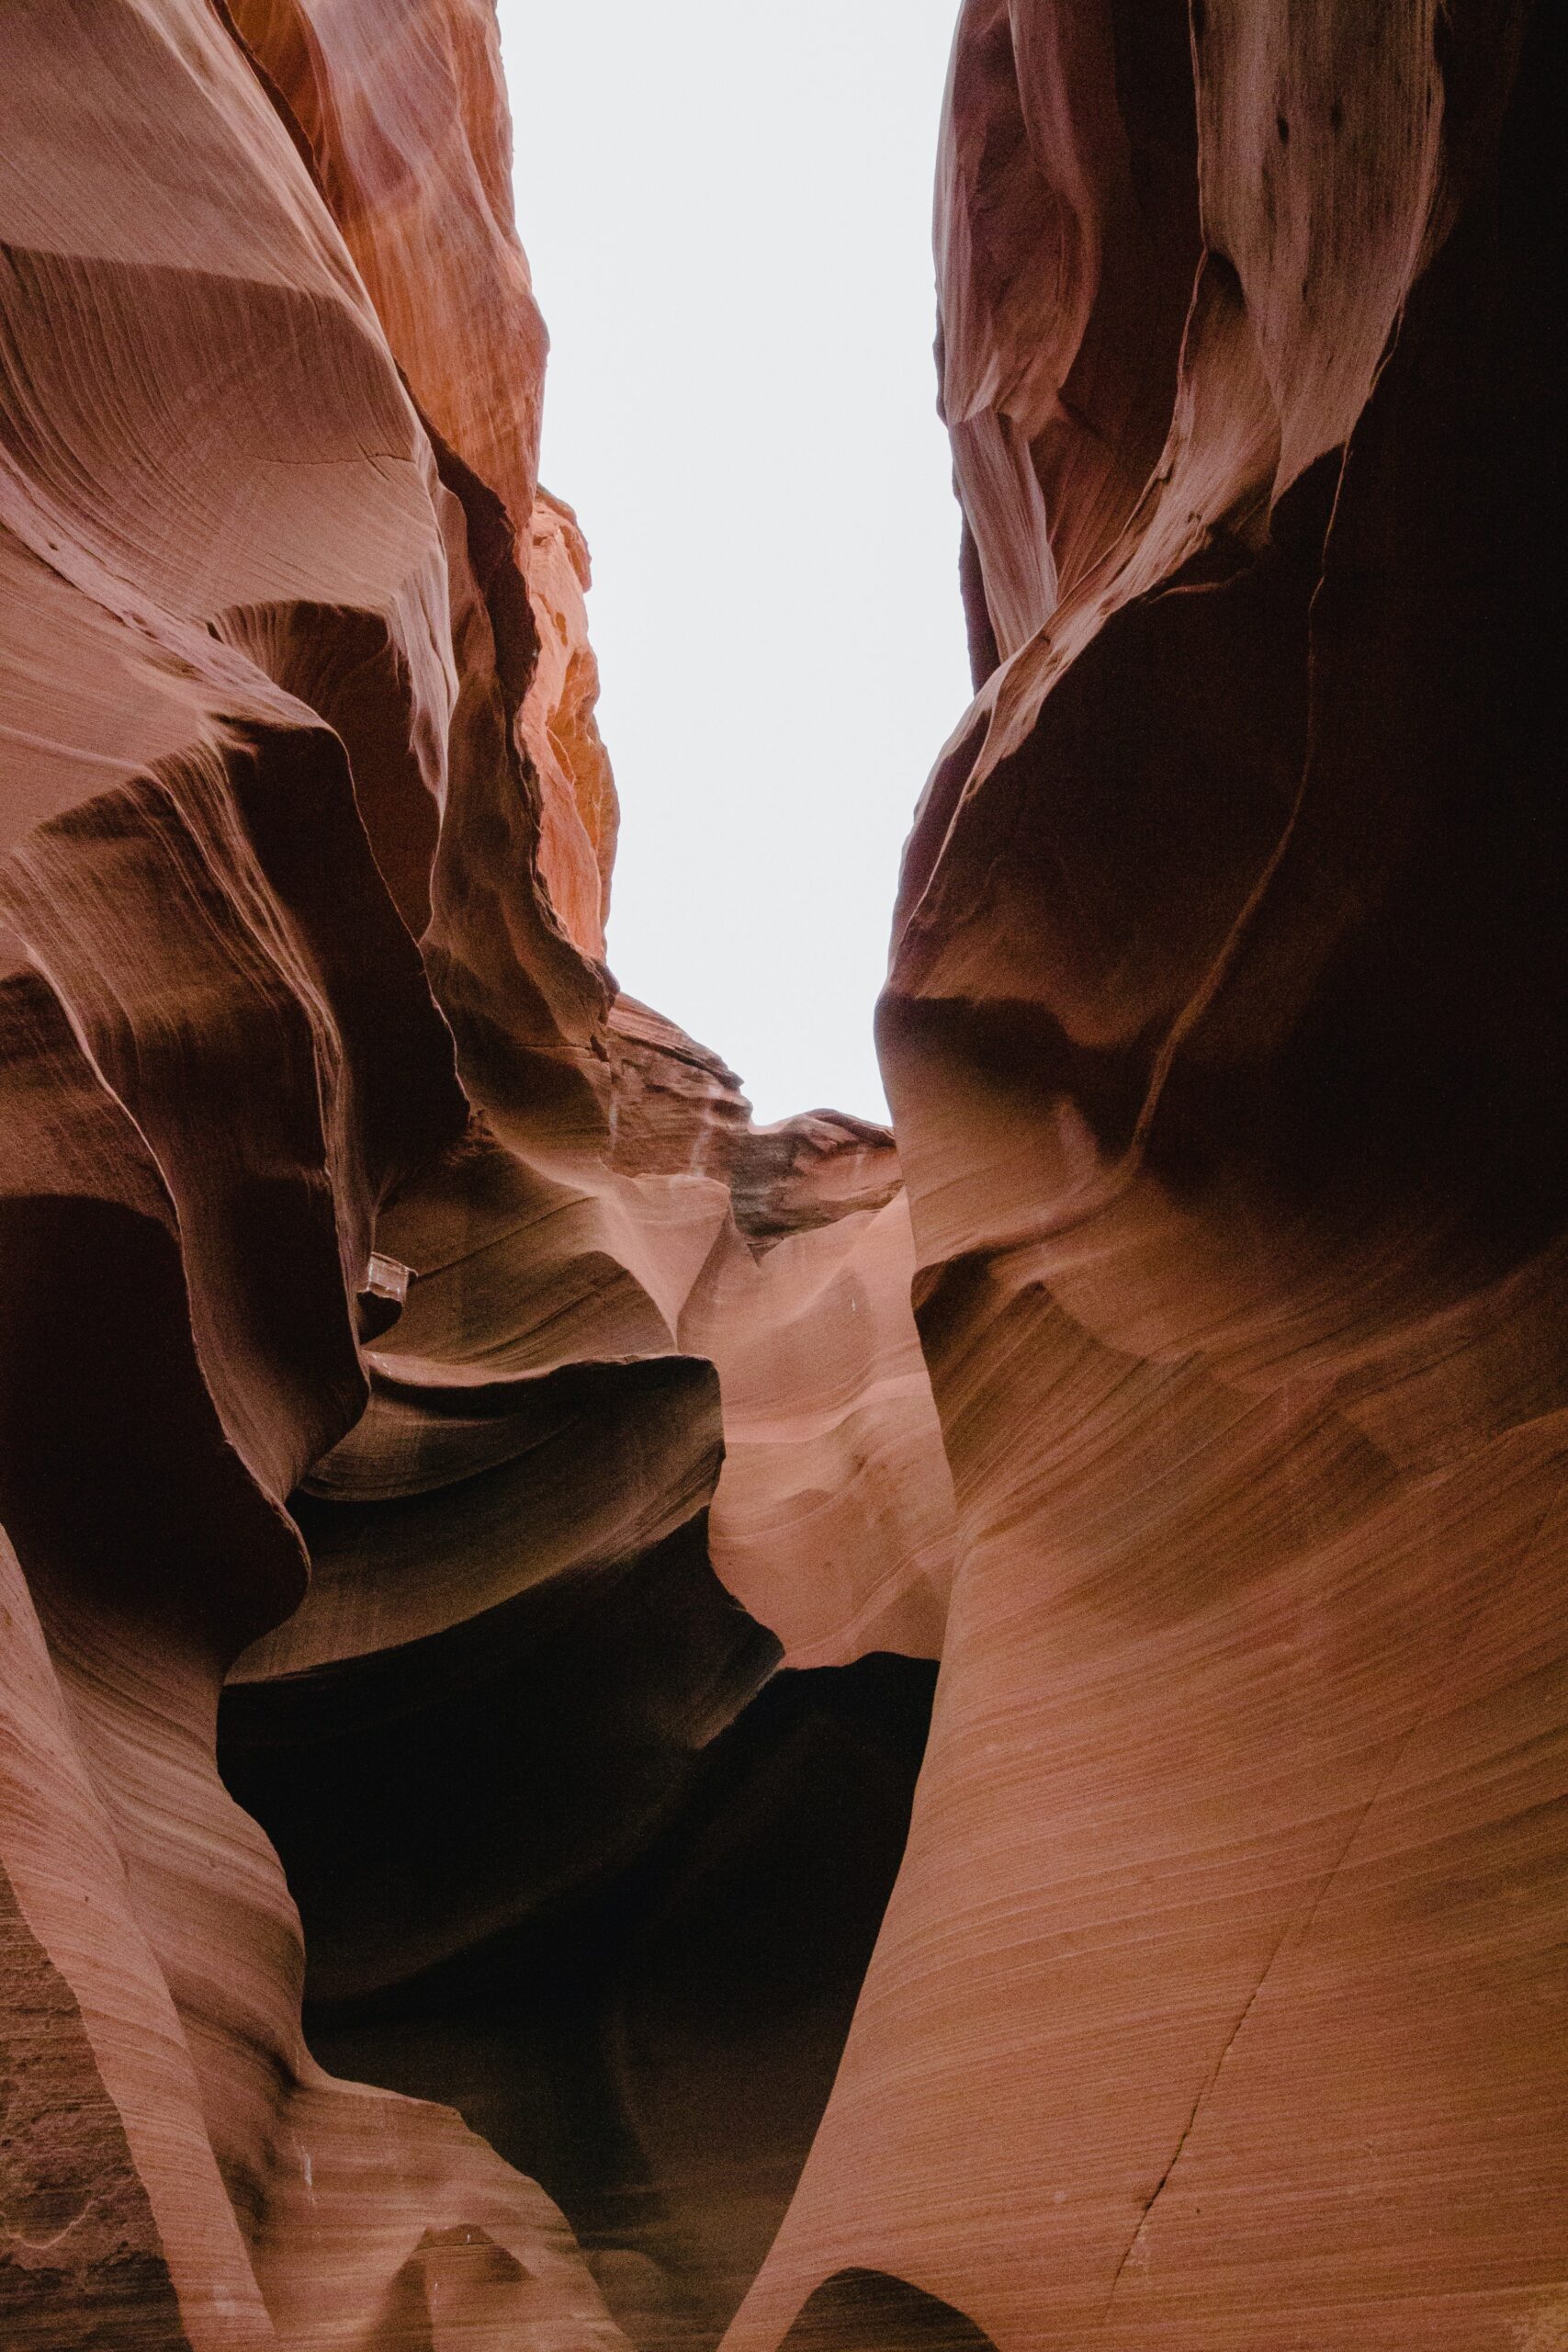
347,1271
410,1337
1226,1012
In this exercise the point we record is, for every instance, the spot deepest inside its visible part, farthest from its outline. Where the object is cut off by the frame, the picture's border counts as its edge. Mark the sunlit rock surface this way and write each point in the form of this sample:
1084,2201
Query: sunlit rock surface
570,1486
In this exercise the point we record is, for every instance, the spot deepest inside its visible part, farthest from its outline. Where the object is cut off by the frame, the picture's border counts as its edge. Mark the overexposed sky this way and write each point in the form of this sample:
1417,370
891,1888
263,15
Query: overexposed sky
727,205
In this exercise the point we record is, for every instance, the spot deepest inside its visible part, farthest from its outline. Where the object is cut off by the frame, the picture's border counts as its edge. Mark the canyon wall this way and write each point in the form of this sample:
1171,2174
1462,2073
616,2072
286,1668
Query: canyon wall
420,1379
1221,1999
367,1306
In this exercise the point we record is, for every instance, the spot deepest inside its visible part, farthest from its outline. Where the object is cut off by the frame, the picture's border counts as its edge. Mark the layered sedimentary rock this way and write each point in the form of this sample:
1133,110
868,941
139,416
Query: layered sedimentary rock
1226,1012
351,1252
408,1336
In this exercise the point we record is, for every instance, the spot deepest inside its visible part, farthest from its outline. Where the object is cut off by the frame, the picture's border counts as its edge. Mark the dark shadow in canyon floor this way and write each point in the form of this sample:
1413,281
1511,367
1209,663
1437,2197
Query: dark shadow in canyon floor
657,2048
869,2311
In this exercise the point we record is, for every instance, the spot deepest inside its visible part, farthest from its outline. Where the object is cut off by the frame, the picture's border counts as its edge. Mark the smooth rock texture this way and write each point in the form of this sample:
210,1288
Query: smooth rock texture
481,1516
347,1247
1221,2001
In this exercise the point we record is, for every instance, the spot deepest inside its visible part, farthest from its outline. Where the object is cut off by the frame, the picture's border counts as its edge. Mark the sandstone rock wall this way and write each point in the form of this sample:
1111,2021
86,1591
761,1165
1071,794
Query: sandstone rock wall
334,1200
408,1335
1224,1037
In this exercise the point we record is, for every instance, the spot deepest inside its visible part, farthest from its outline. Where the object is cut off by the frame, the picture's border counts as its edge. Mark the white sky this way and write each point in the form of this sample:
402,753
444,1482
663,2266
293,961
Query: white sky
727,205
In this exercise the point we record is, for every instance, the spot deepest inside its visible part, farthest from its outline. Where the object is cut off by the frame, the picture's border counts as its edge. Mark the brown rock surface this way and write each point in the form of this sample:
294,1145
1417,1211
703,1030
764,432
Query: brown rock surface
1227,1005
410,1336
298,1213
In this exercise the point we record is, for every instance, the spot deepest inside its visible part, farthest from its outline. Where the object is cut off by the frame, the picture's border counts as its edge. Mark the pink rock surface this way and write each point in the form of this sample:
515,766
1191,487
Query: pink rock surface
316,1176
410,1339
1229,1933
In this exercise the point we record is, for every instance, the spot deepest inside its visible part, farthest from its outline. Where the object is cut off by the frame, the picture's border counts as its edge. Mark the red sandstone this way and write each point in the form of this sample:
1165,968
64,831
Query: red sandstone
390,1304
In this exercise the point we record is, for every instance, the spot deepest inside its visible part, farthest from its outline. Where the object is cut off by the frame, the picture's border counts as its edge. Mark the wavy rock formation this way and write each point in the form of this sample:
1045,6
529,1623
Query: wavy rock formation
341,1223
1226,1001
421,1382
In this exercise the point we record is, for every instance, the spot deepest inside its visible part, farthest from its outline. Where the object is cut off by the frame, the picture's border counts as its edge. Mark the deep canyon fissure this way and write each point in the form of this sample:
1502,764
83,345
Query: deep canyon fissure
943,1735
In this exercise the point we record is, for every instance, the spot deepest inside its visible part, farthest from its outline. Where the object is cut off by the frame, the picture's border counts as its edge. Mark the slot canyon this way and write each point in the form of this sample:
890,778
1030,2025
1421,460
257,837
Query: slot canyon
623,1729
